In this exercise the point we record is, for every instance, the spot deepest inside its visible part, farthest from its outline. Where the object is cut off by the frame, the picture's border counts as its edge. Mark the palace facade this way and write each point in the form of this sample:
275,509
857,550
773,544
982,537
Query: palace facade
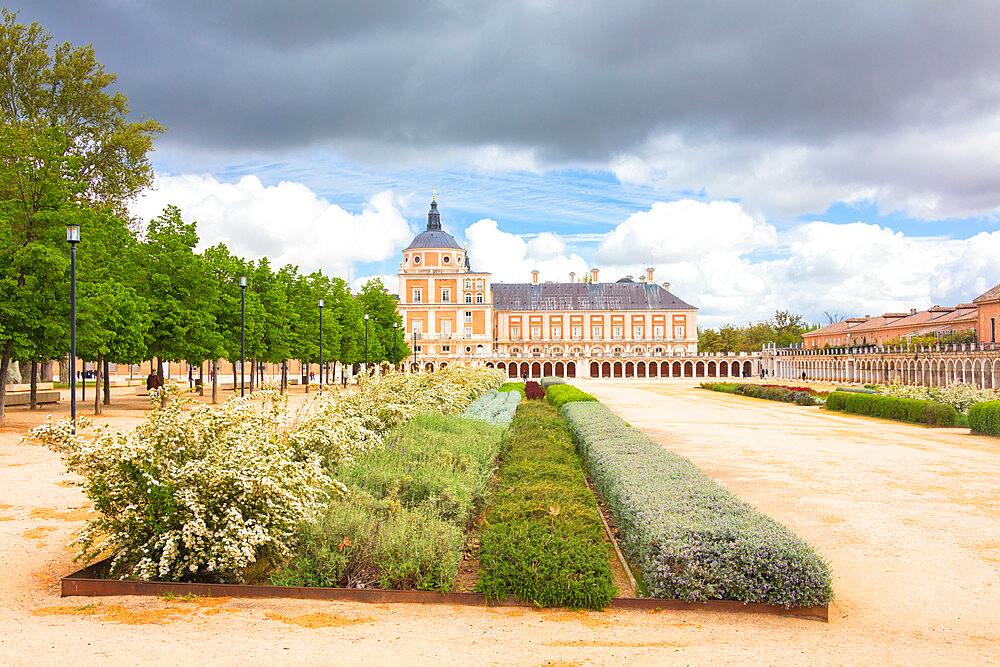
579,328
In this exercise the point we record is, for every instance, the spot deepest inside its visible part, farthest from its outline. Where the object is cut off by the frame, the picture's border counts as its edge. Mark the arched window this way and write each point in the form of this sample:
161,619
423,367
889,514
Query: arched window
468,284
479,283
479,298
658,351
468,298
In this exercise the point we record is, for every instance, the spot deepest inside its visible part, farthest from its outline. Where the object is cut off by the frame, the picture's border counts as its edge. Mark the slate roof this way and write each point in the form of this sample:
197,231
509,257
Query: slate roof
585,296
988,295
433,238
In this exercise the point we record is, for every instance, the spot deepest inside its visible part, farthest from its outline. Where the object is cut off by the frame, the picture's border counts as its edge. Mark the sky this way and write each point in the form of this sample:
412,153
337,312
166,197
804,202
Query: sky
829,158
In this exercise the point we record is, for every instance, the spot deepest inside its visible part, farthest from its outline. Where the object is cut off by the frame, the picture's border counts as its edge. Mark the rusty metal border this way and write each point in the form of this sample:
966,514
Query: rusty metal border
87,582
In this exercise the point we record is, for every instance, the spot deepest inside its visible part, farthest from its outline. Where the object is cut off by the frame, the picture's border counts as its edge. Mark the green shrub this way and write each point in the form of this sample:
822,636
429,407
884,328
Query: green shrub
494,407
513,386
856,390
985,418
911,410
410,500
543,541
560,394
727,387
549,380
693,539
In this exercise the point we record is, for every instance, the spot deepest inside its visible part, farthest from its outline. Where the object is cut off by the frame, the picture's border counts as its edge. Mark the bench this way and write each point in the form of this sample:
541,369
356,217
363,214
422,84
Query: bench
24,397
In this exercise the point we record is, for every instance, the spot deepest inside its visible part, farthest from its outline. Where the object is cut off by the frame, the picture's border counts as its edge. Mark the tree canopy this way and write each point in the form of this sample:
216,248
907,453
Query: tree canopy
784,329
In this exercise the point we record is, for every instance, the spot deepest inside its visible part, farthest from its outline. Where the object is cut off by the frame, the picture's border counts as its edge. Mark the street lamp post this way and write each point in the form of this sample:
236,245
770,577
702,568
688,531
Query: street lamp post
243,328
415,349
73,236
321,343
366,342
395,335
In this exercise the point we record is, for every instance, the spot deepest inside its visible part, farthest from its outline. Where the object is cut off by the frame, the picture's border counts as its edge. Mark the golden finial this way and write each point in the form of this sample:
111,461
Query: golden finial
434,193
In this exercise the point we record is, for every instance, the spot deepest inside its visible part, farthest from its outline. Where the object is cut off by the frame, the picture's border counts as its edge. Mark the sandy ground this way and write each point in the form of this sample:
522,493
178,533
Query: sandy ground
908,517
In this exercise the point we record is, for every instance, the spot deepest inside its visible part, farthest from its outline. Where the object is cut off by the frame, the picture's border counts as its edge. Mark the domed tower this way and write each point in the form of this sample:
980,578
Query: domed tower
446,306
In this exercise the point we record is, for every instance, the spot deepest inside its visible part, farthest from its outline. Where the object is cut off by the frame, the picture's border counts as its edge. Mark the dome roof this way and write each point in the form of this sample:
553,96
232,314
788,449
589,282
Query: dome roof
434,236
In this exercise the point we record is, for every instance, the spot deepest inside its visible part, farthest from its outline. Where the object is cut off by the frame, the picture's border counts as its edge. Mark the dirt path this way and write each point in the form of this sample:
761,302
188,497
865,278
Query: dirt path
908,518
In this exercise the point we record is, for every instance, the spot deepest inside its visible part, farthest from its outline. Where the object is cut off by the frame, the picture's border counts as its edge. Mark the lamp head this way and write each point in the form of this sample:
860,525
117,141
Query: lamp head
366,317
321,303
73,233
243,281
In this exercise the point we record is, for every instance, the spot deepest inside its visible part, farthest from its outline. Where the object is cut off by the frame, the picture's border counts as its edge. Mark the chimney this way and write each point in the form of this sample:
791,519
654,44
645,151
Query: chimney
649,274
534,277
642,279
913,311
572,276
868,317
666,286
593,275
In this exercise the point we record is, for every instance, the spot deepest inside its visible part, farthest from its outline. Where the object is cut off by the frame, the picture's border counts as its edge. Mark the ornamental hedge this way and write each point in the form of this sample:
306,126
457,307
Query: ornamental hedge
985,418
799,396
494,407
692,539
550,380
910,410
560,394
543,541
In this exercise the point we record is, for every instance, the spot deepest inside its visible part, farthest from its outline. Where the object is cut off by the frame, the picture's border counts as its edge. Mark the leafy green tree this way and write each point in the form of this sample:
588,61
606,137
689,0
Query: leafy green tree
381,309
784,329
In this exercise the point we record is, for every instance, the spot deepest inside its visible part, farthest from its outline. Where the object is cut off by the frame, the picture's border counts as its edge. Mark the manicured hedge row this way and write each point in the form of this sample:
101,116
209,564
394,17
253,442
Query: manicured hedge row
402,523
759,391
890,407
985,418
543,541
533,391
693,539
494,407
560,394
856,390
513,386
549,380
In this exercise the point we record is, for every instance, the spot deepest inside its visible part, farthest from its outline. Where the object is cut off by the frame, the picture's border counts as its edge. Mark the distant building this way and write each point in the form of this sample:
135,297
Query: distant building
580,328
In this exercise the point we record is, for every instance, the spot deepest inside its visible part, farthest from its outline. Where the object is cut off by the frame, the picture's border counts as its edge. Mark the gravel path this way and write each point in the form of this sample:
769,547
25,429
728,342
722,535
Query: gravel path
908,517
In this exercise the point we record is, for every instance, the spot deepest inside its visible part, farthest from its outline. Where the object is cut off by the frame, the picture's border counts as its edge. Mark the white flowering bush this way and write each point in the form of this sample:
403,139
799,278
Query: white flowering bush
337,426
693,539
958,395
494,407
197,495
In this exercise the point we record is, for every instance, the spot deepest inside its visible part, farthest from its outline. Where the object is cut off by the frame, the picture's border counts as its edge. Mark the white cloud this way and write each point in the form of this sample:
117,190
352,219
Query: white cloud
286,222
391,282
511,259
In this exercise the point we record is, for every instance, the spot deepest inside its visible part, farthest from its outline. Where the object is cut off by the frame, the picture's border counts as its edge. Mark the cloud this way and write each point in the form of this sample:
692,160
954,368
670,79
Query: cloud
286,222
787,107
511,258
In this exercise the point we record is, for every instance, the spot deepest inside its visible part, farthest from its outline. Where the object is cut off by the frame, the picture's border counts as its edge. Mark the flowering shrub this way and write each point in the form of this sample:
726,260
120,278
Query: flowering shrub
693,539
494,407
336,426
560,394
549,380
985,418
771,392
533,391
889,407
958,395
198,495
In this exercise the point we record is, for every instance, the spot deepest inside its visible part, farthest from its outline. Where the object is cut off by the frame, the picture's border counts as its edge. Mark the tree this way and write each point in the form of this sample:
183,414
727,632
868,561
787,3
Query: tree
783,329
381,309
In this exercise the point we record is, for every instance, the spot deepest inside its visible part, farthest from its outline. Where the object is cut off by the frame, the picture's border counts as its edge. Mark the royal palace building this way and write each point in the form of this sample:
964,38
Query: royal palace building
580,328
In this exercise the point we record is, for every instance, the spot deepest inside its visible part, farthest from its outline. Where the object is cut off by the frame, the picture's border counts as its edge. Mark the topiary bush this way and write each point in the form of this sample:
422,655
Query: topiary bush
910,410
693,539
494,407
560,394
533,391
550,380
985,418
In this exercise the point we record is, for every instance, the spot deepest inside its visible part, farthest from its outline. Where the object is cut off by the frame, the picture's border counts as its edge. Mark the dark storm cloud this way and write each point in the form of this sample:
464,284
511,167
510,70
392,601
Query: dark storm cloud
572,80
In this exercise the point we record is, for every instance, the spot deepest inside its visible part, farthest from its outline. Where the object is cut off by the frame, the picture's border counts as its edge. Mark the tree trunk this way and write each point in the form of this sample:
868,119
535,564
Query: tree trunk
201,379
107,383
253,372
159,372
236,380
97,383
305,375
47,371
215,381
284,376
33,398
159,369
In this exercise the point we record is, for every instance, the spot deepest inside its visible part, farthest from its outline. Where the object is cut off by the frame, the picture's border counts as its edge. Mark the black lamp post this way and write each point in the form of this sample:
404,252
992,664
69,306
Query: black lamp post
73,237
366,342
243,328
395,335
321,343
415,349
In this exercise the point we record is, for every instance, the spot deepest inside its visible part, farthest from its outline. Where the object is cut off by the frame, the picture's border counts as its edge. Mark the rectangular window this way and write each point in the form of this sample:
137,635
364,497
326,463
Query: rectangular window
418,348
515,333
597,332
468,316
446,327
468,332
616,332
679,331
577,333
993,329
446,348
557,332
418,295
446,295
658,332
637,333
536,333
418,327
